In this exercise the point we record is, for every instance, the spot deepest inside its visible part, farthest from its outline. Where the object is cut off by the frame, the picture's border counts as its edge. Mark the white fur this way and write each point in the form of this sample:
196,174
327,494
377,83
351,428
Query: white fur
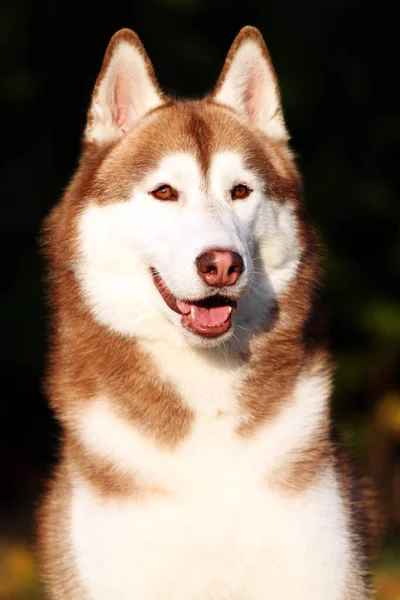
119,242
250,88
218,531
232,546
210,390
215,528
211,523
124,95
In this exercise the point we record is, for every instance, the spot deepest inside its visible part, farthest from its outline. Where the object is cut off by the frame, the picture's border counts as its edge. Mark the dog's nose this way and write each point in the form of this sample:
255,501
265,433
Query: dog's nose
220,267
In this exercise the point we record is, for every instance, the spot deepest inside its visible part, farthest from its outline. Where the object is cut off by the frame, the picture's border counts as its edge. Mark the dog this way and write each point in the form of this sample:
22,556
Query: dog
189,368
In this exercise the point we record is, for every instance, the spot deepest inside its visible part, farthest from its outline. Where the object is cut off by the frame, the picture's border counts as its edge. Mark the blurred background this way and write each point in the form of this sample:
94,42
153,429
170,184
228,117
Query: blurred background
336,63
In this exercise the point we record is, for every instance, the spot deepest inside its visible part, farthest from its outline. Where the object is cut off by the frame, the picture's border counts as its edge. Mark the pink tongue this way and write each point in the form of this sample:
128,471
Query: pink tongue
206,316
212,316
184,307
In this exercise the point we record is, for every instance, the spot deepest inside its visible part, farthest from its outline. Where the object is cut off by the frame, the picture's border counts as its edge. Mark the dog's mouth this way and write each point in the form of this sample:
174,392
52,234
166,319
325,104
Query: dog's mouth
209,318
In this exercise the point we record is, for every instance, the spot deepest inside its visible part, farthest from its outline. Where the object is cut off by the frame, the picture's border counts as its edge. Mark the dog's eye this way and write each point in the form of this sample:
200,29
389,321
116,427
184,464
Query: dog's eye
240,191
165,192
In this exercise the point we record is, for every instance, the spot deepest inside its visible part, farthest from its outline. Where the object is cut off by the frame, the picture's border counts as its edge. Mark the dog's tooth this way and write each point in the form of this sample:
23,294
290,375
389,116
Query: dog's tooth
192,314
230,310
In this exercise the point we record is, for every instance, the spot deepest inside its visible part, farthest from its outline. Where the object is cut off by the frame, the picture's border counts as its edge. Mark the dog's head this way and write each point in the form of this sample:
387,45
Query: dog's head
186,213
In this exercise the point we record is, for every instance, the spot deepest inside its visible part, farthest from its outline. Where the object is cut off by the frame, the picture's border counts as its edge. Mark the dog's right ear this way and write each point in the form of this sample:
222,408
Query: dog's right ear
125,90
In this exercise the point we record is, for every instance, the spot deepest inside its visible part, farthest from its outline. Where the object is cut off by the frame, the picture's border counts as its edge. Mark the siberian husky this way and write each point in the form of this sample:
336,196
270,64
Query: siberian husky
188,367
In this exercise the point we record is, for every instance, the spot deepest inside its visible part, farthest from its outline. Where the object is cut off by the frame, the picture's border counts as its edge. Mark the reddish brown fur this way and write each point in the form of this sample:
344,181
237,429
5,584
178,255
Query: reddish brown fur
200,128
98,350
246,34
107,477
87,359
129,36
285,350
305,464
250,33
58,569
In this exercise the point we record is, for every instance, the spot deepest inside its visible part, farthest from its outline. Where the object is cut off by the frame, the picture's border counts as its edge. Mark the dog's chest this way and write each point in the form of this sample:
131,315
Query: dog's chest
204,519
210,525
217,537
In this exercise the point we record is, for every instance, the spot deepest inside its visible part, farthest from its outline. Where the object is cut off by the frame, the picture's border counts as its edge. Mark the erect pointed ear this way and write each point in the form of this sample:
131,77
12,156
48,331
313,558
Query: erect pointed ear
125,90
249,85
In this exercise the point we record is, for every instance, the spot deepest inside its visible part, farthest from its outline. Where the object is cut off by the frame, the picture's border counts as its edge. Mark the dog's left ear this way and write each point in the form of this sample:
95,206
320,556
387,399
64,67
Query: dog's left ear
126,89
249,85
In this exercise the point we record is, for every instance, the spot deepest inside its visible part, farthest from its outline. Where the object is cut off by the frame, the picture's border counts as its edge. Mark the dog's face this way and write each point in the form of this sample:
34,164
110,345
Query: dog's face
190,218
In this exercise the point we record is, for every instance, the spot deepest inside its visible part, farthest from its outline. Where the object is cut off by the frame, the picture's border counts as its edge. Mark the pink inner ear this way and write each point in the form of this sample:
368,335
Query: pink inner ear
122,99
253,96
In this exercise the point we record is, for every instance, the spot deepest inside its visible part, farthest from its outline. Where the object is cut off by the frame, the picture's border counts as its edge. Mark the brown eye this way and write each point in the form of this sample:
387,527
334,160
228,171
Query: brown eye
165,192
240,191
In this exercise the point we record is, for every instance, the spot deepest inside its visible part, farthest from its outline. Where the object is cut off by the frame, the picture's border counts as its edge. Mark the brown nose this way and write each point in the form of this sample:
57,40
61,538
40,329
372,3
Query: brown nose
220,267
